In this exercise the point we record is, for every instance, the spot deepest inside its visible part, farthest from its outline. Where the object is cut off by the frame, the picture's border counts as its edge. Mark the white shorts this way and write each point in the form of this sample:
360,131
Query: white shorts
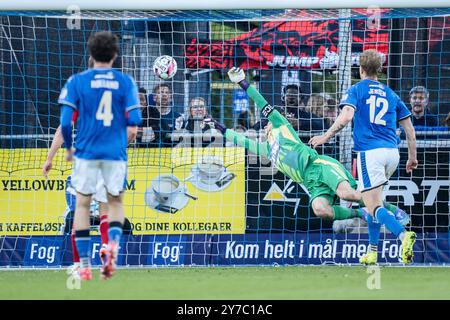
100,190
376,166
88,174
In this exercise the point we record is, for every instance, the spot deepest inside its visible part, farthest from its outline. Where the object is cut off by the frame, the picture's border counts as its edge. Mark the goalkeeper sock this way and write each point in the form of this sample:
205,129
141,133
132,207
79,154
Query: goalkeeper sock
374,232
104,228
341,213
115,231
387,218
76,257
83,242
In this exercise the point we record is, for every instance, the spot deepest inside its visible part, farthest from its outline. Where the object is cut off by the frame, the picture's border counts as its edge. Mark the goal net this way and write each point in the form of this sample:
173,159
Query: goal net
226,206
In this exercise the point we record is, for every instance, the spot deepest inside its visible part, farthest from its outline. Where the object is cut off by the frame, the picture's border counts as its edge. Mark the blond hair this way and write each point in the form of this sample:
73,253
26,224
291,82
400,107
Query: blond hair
315,105
318,102
371,62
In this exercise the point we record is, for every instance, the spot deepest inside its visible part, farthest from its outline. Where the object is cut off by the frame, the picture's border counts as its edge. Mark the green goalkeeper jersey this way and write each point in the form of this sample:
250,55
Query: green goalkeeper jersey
283,146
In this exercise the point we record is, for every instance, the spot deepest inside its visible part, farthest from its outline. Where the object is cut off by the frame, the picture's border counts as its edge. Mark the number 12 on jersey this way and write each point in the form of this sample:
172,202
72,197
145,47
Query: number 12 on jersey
374,103
104,110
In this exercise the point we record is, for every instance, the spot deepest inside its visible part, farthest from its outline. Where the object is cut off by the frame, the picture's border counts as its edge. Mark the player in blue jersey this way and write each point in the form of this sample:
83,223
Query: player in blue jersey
107,104
375,110
99,196
99,199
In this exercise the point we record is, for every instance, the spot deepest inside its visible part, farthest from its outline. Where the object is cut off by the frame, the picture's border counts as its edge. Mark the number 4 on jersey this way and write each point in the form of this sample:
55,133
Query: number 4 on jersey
104,111
377,102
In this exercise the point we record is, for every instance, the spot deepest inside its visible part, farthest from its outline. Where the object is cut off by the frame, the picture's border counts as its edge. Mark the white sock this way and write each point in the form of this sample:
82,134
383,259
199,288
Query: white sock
401,236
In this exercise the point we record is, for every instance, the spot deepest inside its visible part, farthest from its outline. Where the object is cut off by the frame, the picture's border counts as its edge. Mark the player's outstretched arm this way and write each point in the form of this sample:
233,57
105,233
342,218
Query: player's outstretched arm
57,142
239,139
260,149
412,162
237,75
342,120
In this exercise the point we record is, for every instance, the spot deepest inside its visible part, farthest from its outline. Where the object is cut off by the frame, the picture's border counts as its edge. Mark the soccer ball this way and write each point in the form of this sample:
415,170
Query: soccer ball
165,67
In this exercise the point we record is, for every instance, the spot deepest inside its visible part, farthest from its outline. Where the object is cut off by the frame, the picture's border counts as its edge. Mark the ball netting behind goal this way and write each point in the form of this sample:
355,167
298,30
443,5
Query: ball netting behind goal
260,216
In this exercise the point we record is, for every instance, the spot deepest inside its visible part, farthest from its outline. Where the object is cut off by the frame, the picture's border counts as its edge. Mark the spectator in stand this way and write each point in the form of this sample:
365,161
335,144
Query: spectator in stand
160,120
330,111
421,116
244,120
143,99
322,106
294,111
197,112
145,133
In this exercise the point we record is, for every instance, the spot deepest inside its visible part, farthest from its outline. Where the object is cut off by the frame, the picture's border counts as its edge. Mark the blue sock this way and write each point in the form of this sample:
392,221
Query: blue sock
115,231
374,232
83,242
387,218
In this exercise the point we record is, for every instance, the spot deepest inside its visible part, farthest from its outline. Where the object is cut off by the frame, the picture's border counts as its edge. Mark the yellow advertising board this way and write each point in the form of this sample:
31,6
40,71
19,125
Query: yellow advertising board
169,191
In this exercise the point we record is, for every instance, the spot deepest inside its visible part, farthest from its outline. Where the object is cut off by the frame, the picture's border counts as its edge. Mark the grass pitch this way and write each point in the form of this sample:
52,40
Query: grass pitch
296,282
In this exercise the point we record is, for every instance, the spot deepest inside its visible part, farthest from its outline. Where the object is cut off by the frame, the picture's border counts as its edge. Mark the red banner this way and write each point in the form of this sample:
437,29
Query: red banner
290,44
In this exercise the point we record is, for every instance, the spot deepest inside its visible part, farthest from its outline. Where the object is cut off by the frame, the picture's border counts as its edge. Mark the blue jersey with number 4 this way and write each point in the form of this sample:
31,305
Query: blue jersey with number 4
377,111
103,97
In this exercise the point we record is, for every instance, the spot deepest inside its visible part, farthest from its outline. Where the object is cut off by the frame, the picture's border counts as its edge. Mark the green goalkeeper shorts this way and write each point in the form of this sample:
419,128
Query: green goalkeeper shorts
323,176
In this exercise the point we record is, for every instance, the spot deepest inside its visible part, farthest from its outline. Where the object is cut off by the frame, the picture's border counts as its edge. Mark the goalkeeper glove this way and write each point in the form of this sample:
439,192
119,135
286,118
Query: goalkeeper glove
215,124
237,75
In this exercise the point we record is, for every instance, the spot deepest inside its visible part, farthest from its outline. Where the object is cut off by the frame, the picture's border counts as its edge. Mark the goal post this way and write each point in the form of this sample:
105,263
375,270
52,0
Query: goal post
250,214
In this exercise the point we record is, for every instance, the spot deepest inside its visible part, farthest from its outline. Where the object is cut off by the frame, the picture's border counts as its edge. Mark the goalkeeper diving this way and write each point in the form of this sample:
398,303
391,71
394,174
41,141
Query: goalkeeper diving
325,178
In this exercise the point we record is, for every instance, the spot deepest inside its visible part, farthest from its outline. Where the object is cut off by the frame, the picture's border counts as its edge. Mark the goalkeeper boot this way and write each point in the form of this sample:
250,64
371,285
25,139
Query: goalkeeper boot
102,253
370,258
407,247
86,274
112,252
402,217
342,226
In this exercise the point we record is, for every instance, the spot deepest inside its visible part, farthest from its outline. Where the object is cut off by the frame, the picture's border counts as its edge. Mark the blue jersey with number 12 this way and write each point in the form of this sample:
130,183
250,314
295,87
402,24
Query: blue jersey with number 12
102,97
377,111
